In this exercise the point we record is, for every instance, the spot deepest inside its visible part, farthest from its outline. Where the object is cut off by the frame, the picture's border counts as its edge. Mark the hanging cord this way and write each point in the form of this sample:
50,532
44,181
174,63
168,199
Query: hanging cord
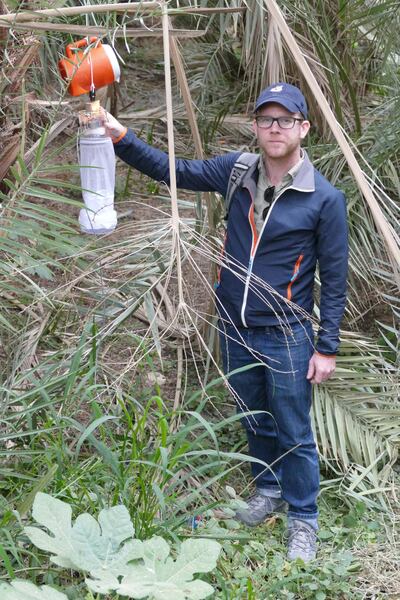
92,90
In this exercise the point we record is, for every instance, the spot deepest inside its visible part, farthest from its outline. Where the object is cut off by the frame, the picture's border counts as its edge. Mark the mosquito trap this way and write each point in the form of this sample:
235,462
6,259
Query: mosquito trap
97,169
90,65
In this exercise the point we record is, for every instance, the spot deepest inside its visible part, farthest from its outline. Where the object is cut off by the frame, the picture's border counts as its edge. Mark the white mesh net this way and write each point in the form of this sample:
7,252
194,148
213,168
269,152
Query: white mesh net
97,160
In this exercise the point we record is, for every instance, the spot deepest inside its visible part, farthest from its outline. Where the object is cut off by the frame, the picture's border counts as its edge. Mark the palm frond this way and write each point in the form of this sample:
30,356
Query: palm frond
357,421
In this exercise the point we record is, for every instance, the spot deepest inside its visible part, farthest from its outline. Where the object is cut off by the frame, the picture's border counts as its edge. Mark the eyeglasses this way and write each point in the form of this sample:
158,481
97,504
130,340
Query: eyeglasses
283,122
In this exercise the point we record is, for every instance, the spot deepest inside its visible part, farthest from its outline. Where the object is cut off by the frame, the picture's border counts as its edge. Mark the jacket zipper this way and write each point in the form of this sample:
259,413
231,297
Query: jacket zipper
256,241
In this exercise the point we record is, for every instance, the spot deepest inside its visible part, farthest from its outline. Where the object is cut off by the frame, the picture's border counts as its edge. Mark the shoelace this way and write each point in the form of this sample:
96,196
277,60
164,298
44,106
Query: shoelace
301,538
258,501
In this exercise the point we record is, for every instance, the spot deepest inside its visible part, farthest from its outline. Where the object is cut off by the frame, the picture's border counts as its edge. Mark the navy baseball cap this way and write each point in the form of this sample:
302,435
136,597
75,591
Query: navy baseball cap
285,94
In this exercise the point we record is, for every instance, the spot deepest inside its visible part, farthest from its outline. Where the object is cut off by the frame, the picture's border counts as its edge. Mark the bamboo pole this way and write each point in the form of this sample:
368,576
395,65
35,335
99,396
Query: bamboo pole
381,223
121,7
171,151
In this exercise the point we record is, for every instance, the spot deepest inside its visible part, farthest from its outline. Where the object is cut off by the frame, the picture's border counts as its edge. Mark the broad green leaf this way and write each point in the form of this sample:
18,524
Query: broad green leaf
55,515
138,583
196,590
155,551
25,590
195,556
98,546
103,583
162,578
88,545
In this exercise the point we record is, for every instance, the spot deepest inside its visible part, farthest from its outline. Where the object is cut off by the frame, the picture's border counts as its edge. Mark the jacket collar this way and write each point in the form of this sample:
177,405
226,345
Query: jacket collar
304,181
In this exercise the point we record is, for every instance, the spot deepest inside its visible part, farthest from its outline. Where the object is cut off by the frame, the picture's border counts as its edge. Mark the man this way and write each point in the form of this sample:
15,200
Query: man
283,219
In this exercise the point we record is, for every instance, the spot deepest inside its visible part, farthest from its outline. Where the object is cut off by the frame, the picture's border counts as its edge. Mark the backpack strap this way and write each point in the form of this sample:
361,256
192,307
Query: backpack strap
240,168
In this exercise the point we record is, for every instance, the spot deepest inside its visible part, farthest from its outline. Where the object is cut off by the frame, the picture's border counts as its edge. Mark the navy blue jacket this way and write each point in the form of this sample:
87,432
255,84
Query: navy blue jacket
268,278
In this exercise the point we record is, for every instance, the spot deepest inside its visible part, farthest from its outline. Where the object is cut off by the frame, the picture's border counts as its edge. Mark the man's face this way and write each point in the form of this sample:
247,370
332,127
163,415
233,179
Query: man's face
276,142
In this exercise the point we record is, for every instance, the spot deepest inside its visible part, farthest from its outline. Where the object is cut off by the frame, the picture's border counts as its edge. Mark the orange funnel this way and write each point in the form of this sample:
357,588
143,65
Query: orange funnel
85,65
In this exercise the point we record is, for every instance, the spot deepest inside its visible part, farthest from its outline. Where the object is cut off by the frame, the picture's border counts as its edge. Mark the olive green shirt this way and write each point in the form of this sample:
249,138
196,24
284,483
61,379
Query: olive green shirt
264,183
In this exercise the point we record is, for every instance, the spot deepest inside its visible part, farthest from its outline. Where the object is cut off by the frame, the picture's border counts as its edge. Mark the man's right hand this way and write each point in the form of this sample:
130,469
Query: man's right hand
113,127
321,368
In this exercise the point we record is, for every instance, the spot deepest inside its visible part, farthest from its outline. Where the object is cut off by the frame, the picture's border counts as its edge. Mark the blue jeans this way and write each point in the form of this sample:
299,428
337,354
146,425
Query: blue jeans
281,435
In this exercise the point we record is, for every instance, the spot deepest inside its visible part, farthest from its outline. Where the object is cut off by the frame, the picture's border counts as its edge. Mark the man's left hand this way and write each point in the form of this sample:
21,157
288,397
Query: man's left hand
320,368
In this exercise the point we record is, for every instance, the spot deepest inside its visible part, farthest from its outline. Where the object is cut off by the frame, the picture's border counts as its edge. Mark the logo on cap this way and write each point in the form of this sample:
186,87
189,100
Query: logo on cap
278,88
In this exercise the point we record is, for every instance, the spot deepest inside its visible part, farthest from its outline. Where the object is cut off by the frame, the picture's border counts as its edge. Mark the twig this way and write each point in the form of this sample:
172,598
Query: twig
186,95
101,31
121,7
178,388
159,112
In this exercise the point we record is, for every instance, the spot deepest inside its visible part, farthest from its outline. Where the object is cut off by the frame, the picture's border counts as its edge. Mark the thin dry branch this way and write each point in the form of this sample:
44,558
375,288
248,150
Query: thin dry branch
102,31
275,62
178,389
132,7
159,113
187,98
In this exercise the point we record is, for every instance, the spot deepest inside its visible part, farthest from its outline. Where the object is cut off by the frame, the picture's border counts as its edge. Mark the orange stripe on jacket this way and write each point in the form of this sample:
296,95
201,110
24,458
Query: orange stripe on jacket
253,229
294,276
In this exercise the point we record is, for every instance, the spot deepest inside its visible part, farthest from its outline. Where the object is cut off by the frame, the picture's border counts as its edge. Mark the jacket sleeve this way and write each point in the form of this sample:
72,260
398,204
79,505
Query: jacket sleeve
198,175
332,254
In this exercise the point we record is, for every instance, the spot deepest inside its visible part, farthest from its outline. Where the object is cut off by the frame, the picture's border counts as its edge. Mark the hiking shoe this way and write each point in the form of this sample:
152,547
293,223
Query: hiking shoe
259,508
302,541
